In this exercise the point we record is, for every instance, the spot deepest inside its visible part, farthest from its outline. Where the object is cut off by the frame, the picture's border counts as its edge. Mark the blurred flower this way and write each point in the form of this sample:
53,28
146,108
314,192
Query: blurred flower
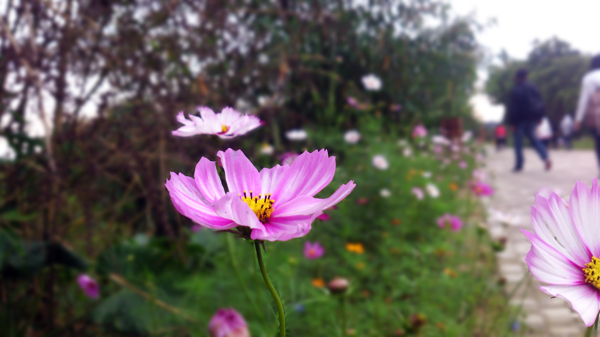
462,165
324,217
266,149
515,326
453,186
228,323
479,174
313,250
419,131
380,162
450,221
418,193
299,307
352,136
402,142
440,140
89,286
407,152
437,149
416,321
450,272
466,136
455,148
396,222
353,102
362,201
253,197
395,107
288,158
546,191
318,282
263,100
338,285
426,174
227,124
296,135
371,82
432,190
385,193
263,58
355,248
565,247
481,189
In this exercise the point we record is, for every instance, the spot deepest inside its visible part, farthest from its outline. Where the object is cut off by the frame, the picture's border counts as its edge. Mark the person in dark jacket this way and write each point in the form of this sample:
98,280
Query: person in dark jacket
524,113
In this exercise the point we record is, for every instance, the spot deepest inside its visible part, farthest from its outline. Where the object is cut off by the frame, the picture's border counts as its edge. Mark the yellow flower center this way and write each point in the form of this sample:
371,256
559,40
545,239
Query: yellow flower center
224,128
261,206
592,272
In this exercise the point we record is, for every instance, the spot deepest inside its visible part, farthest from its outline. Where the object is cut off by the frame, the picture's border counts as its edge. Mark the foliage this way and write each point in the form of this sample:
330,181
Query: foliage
554,67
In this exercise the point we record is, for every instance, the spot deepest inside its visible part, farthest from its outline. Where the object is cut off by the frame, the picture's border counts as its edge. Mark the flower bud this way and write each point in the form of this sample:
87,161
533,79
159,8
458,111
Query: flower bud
228,323
338,285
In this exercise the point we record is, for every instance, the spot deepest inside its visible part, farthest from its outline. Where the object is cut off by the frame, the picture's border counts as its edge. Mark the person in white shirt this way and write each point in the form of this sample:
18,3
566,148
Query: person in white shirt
566,129
544,132
588,108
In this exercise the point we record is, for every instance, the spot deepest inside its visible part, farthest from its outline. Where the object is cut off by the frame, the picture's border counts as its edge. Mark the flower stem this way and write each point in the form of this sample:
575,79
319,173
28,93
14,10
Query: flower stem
343,314
276,298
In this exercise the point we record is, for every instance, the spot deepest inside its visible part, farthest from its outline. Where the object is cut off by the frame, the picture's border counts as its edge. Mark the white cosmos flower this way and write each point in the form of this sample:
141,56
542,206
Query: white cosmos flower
227,124
432,190
267,149
352,136
371,82
407,152
427,174
466,136
296,135
440,140
380,162
385,193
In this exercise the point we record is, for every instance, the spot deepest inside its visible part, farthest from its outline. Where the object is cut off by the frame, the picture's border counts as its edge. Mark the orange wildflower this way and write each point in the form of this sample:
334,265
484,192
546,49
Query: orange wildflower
318,282
355,248
453,186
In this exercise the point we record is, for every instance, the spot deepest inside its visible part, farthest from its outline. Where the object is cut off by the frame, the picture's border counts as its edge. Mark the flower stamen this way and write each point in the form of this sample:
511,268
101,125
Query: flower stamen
592,272
224,128
262,206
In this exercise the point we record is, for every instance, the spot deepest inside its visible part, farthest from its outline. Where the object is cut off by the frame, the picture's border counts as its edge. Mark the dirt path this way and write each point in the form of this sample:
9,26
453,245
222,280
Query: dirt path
543,316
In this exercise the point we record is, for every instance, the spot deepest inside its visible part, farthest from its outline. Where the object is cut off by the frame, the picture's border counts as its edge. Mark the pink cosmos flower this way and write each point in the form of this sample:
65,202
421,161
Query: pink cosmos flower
324,217
288,158
418,193
313,250
395,107
450,221
227,124
479,174
565,246
481,189
353,102
228,323
462,165
275,204
89,286
419,131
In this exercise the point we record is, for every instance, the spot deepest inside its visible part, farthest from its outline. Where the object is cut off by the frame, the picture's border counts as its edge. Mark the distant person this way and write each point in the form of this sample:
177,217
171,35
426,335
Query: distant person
525,111
500,134
566,130
588,108
544,132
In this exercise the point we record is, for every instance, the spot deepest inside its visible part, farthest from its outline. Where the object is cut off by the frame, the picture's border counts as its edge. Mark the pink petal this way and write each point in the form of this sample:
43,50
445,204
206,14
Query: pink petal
210,120
550,266
188,129
270,177
232,207
583,299
585,212
307,176
207,180
228,116
188,200
240,174
306,205
552,223
285,228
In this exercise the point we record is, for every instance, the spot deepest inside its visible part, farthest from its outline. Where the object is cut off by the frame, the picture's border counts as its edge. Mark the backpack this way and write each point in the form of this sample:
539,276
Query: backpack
535,105
592,113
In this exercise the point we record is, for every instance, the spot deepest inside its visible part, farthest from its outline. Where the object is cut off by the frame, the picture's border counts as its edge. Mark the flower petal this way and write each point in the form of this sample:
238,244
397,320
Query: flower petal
307,176
240,174
552,223
285,228
232,207
270,177
584,207
583,298
207,180
550,266
306,205
188,129
190,202
228,116
211,123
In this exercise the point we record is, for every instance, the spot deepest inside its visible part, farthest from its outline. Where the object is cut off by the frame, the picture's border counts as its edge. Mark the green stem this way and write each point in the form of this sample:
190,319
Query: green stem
344,318
238,275
592,330
276,298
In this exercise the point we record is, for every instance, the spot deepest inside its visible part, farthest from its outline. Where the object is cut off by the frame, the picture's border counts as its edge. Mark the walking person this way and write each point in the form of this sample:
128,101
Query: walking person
588,108
544,132
566,130
525,111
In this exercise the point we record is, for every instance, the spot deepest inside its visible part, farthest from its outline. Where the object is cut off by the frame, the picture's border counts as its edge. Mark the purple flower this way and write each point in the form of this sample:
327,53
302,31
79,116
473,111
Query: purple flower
275,204
89,286
419,131
353,102
313,250
288,158
462,165
227,124
481,189
565,247
418,193
228,323
395,107
450,221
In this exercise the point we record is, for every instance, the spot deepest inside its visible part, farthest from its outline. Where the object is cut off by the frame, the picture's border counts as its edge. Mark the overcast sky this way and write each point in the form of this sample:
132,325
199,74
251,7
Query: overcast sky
520,22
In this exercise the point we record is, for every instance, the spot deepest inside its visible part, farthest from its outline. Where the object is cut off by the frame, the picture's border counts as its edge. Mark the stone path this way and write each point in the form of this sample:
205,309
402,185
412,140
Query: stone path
514,196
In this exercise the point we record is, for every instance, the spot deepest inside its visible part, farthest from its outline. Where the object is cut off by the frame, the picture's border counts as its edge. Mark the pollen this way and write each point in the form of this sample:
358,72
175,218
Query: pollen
261,205
592,272
224,128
